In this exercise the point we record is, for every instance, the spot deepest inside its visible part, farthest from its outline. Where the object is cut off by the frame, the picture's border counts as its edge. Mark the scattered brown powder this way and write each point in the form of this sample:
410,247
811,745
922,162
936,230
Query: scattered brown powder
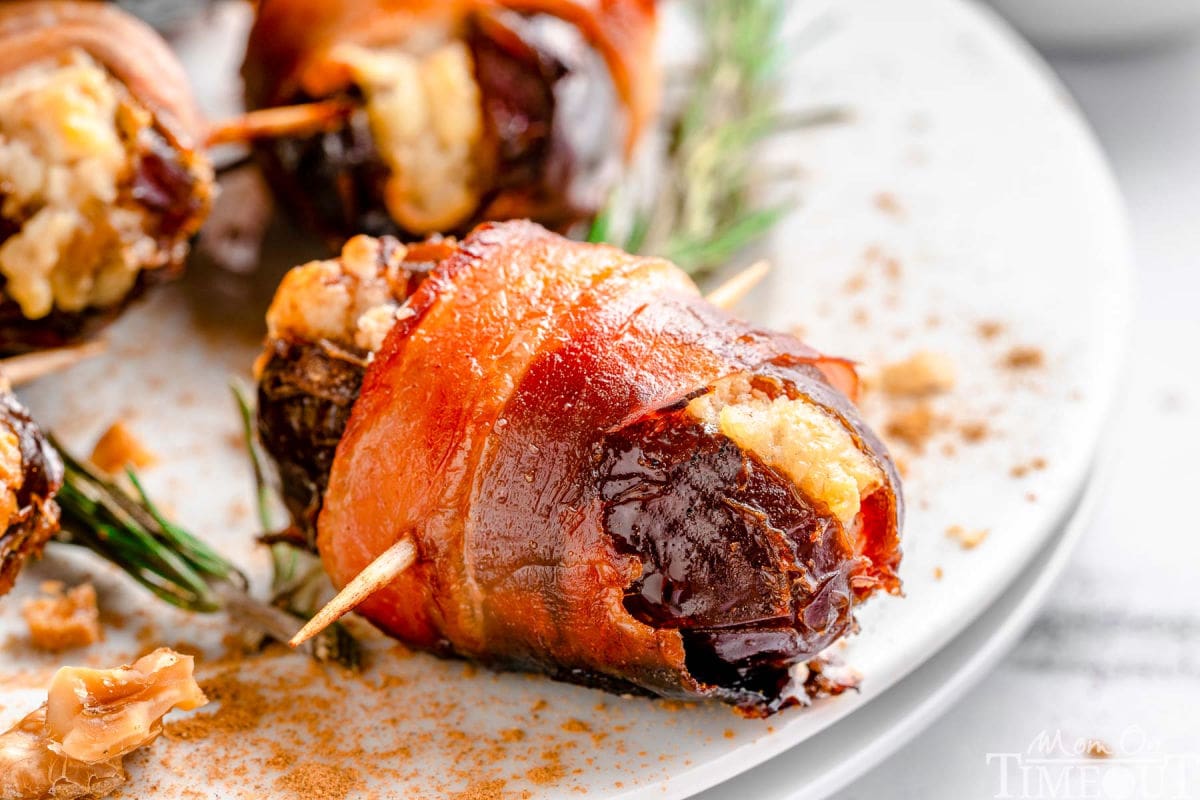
921,374
730,733
887,203
483,790
1098,749
61,620
119,448
913,426
938,573
989,329
1021,470
576,726
512,735
1020,358
973,432
552,771
968,539
314,781
242,707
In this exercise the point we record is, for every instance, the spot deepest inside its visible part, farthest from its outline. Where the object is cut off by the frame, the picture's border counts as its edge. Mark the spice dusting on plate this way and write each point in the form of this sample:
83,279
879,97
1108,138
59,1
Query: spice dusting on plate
314,781
913,426
1021,358
921,374
989,329
63,618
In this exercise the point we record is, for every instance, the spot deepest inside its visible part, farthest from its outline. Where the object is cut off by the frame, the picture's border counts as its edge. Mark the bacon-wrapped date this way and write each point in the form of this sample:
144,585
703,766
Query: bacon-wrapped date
607,479
30,475
464,110
103,185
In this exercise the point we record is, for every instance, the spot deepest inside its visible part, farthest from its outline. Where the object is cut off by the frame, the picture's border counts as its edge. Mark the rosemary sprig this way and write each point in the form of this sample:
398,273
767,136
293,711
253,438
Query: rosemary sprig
132,533
707,206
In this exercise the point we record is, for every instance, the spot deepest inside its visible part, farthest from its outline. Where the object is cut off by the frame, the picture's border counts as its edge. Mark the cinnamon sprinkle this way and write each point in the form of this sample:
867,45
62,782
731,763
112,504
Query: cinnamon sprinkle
314,781
1022,358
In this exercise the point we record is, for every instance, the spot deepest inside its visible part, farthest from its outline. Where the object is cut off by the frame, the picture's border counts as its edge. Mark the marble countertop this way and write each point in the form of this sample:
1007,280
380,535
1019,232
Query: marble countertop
1114,657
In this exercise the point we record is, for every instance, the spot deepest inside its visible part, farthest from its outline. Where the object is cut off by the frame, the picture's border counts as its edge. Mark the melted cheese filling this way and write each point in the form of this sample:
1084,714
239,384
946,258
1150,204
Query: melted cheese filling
68,134
796,437
427,121
348,301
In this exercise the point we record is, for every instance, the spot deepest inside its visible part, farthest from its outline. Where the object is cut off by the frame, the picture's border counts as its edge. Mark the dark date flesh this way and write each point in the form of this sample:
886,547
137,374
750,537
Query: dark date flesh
305,393
754,575
166,188
36,517
553,138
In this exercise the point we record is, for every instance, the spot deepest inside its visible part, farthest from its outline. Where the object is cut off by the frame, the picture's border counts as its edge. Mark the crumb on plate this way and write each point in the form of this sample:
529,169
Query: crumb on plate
968,538
63,618
119,448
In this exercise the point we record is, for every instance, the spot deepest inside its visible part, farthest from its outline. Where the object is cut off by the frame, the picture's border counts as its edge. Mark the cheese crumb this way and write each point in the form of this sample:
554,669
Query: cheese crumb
968,539
119,448
63,620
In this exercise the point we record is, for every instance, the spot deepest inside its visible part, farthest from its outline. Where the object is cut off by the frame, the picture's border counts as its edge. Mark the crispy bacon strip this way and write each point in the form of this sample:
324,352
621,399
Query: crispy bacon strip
535,423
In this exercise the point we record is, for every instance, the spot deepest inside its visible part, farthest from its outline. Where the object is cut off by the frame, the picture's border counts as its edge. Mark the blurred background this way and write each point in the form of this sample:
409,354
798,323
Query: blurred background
1115,656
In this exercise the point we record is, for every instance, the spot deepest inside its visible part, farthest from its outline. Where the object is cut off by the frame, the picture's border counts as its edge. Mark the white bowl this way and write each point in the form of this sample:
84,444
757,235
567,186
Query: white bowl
1099,25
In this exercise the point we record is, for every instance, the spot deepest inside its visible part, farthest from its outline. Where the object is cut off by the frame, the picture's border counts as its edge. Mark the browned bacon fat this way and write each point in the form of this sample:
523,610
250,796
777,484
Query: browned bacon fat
607,478
102,185
30,475
463,110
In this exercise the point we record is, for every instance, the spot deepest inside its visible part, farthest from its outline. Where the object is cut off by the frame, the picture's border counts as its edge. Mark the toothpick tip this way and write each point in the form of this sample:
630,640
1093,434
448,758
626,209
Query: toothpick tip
379,573
727,295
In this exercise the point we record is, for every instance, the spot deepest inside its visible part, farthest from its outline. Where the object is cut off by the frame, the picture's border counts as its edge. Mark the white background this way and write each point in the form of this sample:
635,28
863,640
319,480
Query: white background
1116,654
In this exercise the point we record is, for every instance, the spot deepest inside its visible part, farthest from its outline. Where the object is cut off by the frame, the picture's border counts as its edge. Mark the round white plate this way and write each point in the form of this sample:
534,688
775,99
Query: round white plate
963,189
861,741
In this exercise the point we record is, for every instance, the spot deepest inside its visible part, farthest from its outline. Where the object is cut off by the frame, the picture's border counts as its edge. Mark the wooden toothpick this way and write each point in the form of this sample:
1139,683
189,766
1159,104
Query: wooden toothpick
267,123
727,295
379,573
22,369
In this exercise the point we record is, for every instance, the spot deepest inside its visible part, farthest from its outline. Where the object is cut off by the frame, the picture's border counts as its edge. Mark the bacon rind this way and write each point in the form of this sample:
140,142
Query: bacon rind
475,433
